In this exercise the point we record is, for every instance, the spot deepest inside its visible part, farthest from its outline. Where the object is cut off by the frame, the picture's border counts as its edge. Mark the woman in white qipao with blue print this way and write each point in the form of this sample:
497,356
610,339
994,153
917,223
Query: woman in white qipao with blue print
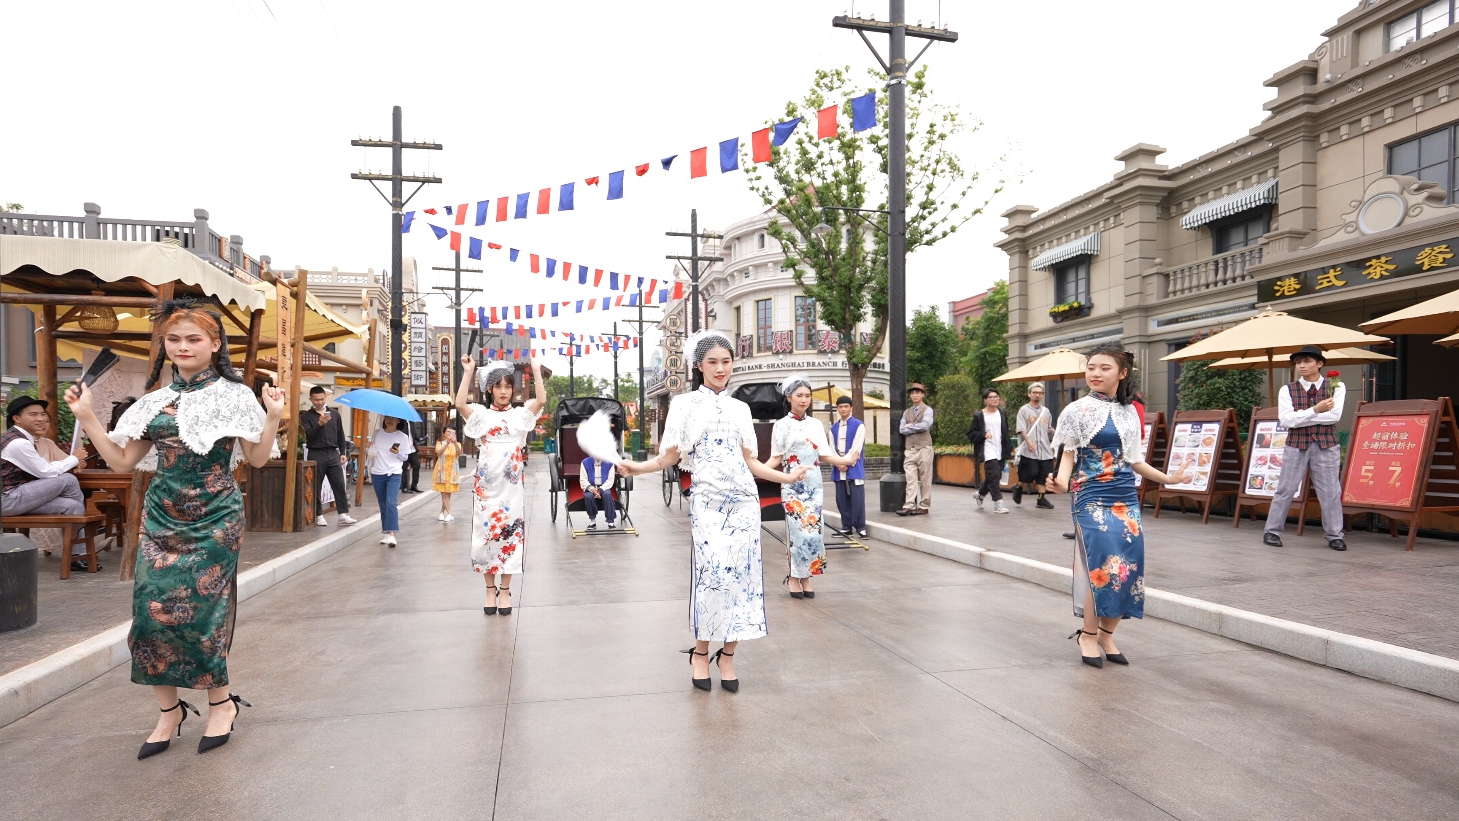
712,434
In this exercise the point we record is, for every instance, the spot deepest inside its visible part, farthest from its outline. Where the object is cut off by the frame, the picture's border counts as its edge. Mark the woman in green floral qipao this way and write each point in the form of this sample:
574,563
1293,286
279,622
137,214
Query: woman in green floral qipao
193,433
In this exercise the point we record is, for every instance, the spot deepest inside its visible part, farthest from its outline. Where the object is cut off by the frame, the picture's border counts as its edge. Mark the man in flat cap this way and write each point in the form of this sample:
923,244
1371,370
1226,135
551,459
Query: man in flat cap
1309,409
31,483
916,427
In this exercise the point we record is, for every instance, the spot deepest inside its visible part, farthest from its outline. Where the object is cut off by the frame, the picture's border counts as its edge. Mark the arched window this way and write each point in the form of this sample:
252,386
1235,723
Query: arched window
761,240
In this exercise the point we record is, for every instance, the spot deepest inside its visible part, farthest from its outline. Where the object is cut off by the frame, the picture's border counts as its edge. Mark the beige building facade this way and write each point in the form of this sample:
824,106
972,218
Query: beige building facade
1336,207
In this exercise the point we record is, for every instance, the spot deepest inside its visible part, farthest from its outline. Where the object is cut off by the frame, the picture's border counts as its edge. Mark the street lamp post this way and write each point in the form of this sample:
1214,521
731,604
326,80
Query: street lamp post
894,483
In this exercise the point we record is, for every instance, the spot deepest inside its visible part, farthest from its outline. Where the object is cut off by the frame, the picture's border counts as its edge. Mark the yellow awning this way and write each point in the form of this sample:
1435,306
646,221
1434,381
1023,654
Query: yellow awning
322,324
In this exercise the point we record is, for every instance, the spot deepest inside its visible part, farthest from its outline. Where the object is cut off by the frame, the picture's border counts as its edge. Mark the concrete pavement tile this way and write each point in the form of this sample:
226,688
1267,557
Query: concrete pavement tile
379,766
898,747
1240,736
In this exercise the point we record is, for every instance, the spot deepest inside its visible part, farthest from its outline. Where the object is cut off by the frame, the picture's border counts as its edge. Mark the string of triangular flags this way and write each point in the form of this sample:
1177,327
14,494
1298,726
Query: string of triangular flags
550,266
564,350
531,332
539,310
563,197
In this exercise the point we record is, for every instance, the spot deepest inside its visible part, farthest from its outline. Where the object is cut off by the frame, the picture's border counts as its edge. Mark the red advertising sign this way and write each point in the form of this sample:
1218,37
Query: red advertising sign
1385,465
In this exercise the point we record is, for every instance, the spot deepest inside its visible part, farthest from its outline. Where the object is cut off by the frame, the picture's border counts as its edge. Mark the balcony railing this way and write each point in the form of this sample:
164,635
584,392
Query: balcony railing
220,250
1211,274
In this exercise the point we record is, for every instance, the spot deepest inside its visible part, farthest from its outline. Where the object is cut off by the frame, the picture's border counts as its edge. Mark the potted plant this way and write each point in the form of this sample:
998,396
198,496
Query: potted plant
954,465
1069,310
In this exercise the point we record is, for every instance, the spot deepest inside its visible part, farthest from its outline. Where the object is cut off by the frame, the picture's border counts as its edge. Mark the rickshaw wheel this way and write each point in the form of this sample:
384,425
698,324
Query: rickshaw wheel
552,496
668,485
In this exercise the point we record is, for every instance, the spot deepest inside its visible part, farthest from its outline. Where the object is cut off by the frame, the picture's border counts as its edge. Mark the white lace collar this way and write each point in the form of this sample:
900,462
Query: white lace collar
205,415
1082,419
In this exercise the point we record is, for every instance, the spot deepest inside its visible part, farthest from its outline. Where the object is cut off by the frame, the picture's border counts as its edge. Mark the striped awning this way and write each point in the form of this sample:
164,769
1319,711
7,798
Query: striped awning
1254,197
1080,247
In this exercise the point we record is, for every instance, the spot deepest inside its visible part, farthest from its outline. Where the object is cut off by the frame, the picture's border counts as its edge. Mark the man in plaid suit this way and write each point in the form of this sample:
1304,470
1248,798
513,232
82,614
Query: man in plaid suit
1309,409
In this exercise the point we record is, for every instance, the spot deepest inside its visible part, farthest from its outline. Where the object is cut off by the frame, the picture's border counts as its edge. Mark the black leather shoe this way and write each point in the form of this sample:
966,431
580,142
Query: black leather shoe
151,748
1271,540
1018,494
1068,535
213,742
1338,544
84,567
730,684
1045,504
699,683
904,512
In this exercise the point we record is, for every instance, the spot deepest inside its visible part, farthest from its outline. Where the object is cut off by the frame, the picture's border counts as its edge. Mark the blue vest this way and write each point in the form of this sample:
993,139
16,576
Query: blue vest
858,470
597,472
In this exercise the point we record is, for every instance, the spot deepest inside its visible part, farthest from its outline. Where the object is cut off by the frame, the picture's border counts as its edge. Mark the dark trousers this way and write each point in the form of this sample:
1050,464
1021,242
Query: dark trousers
410,472
851,502
590,502
992,475
326,465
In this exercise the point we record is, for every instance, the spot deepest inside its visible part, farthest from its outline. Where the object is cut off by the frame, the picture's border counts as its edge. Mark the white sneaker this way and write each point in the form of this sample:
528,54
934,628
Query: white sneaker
612,525
980,501
385,539
345,519
390,541
999,508
441,517
319,522
450,517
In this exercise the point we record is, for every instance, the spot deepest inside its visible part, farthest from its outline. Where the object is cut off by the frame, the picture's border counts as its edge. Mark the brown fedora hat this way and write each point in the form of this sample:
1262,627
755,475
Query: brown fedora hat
916,386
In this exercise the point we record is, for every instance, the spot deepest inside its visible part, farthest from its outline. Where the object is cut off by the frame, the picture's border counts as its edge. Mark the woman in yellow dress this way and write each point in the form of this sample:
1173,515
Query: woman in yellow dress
446,478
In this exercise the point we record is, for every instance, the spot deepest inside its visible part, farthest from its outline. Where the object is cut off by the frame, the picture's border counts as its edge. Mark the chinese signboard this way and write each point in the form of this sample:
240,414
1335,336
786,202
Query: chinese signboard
1333,278
1386,460
447,365
418,343
284,333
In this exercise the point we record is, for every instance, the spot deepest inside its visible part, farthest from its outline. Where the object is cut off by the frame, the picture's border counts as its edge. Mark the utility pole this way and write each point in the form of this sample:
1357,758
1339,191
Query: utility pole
456,341
642,452
693,259
397,202
615,361
894,484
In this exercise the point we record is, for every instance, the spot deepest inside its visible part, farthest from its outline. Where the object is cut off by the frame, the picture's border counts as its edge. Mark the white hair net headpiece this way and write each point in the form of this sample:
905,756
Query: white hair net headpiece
492,373
698,344
789,384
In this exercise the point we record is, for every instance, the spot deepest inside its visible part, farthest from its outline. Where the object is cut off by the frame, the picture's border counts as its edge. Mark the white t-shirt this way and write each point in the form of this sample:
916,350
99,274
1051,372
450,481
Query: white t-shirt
382,461
993,445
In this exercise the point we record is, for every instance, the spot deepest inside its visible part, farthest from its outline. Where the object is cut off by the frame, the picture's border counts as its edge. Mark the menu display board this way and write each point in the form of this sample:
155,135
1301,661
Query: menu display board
1195,444
1264,461
1387,461
1144,448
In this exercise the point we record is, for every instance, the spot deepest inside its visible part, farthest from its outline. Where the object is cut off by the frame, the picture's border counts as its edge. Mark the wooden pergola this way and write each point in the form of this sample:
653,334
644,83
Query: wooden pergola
106,289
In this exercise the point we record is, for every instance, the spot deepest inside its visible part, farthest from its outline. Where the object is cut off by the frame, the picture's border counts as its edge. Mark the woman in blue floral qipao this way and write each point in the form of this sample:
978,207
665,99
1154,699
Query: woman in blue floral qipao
1102,453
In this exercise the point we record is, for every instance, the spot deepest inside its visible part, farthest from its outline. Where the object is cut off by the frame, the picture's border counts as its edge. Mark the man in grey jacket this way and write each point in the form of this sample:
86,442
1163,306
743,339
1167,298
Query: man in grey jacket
916,427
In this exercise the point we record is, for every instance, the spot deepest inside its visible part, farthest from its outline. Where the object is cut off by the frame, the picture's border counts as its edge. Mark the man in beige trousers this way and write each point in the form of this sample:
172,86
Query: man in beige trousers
916,428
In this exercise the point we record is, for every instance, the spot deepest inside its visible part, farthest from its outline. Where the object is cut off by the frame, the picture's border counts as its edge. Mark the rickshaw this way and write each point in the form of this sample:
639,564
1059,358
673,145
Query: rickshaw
767,406
565,466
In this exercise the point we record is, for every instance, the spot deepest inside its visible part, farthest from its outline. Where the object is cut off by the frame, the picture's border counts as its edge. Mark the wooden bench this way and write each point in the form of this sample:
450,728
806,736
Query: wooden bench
74,530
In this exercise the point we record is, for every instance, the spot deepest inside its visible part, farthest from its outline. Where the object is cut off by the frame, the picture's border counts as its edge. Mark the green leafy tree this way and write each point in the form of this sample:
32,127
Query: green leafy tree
956,401
987,338
11,207
846,276
931,348
1201,387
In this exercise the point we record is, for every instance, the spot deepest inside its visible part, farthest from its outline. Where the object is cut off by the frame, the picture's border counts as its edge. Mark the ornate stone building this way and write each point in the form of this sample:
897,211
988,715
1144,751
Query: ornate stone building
1337,207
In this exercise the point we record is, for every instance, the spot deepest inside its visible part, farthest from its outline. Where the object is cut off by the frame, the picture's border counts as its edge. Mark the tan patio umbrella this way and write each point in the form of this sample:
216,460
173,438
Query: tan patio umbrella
1056,364
1449,341
1268,335
1439,315
1337,356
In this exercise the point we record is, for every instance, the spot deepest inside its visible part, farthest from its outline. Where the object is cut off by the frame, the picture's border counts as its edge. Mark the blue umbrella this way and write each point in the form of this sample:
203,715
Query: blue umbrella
385,404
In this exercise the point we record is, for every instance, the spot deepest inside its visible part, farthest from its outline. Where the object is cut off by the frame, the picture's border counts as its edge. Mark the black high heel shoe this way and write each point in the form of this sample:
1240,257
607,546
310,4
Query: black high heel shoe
794,594
210,742
1092,661
730,684
1114,658
504,611
701,683
491,611
151,748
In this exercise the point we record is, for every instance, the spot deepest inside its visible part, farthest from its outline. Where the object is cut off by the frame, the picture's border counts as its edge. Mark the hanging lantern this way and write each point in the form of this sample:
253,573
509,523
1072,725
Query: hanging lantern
97,318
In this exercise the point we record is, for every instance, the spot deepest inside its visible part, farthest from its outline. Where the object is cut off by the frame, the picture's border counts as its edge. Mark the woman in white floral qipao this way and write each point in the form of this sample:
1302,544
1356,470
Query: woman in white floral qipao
498,522
713,434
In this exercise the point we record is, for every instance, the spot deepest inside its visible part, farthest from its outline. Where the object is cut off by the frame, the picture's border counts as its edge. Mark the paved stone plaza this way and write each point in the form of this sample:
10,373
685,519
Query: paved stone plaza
912,687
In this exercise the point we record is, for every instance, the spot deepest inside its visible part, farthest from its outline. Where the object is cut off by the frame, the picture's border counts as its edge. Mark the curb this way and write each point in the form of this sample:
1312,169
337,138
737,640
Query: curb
1388,663
39,683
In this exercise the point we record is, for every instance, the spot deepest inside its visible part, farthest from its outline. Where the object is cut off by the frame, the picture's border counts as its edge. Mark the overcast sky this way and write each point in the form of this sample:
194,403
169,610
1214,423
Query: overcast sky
246,108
